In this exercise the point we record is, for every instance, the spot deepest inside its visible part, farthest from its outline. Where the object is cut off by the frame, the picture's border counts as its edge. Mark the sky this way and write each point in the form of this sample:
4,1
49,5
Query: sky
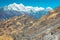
34,3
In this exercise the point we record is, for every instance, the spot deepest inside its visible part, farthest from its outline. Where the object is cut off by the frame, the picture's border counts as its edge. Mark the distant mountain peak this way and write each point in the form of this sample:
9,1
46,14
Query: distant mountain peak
49,9
14,6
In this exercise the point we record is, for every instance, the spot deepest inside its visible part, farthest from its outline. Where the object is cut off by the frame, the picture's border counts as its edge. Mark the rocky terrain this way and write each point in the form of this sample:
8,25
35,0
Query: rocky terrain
27,28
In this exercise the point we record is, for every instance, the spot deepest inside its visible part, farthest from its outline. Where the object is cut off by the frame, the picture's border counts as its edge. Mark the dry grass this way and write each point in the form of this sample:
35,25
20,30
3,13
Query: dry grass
5,37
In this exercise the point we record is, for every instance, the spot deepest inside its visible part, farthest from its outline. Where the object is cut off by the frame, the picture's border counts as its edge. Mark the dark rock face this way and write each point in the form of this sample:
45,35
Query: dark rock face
27,28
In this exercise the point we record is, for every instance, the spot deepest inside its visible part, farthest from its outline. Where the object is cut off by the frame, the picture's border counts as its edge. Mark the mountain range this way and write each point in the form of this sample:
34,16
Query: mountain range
14,9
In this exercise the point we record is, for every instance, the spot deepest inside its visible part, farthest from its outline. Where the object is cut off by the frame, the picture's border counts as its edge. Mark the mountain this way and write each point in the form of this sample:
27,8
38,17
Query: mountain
14,9
25,27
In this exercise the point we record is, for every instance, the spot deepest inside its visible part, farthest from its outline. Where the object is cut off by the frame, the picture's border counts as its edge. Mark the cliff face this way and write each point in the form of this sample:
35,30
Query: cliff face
26,28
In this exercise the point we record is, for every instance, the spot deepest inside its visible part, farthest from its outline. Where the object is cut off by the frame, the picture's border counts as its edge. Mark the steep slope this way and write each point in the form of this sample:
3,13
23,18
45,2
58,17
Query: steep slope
15,26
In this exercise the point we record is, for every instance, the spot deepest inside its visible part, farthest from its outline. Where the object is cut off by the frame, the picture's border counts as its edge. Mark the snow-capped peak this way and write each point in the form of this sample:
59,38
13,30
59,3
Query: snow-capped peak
21,7
16,7
38,9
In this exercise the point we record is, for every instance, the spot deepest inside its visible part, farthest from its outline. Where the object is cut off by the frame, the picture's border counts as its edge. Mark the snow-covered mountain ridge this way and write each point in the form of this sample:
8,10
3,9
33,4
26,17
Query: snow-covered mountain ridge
21,7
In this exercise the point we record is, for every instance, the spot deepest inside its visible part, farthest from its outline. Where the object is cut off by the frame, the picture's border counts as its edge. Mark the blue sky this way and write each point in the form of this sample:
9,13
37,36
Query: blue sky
39,3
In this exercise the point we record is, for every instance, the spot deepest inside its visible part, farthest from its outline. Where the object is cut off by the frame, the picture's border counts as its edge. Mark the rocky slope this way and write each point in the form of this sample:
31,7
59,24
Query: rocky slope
26,28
